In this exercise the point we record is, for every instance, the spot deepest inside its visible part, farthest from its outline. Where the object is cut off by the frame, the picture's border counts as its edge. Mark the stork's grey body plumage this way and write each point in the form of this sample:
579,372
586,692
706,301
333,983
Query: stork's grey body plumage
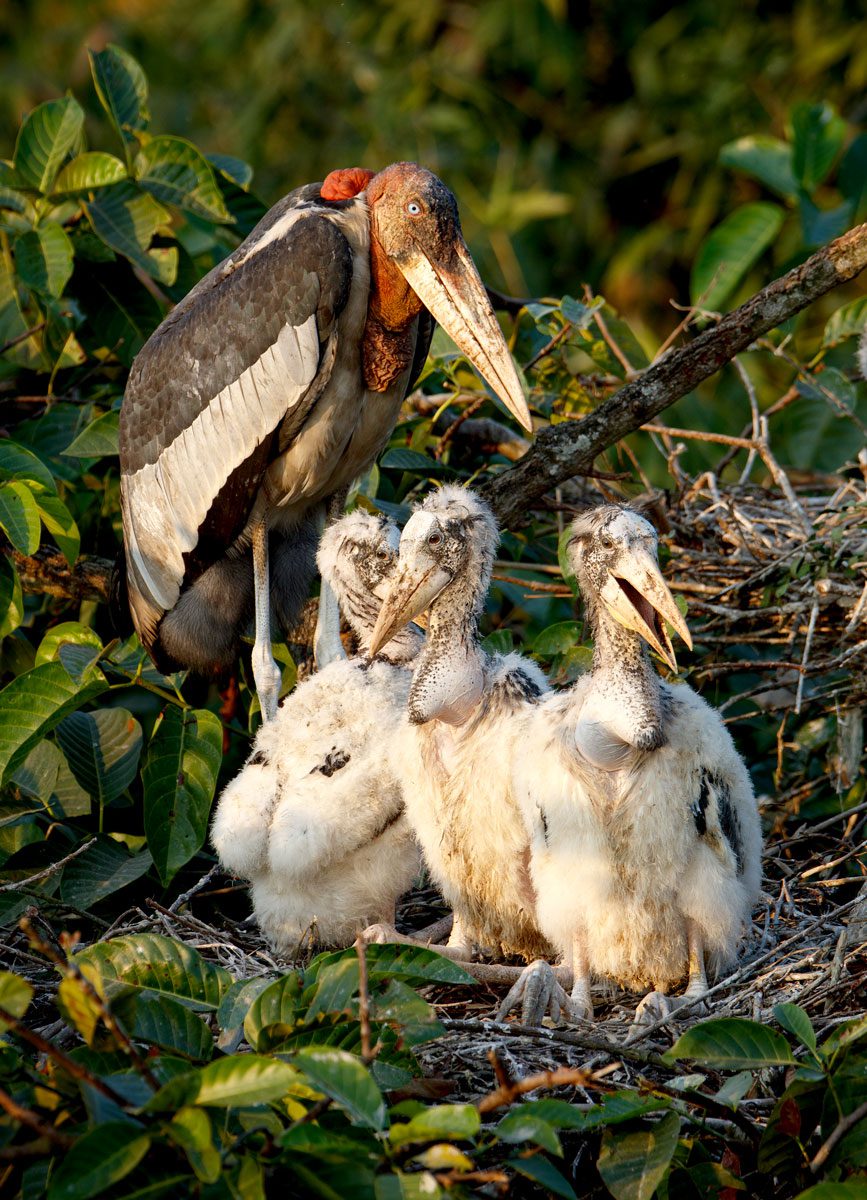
644,828
315,819
464,716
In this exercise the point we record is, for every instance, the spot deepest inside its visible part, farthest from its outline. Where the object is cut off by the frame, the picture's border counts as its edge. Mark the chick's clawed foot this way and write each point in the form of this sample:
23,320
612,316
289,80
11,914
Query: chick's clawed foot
657,1006
541,994
380,934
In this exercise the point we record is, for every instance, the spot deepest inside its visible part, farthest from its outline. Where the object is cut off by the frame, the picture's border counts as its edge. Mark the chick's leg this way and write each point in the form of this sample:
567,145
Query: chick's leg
657,1006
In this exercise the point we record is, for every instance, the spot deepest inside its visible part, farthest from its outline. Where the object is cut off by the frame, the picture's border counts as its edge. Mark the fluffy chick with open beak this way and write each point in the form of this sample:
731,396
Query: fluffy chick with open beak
644,828
464,718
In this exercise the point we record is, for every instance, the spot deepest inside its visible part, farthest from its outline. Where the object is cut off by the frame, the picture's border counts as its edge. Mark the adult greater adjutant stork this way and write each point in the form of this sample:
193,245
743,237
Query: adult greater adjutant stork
270,388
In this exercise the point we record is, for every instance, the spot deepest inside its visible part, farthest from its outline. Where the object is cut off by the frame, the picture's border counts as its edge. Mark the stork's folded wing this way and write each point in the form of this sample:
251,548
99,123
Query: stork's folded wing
245,350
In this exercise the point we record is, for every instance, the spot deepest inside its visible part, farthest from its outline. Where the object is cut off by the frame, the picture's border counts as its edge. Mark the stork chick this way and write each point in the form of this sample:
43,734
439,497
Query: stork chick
315,819
464,717
644,827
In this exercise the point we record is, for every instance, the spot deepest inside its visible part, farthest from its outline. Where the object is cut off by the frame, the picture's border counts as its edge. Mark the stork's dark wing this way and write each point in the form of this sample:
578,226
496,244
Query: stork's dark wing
252,344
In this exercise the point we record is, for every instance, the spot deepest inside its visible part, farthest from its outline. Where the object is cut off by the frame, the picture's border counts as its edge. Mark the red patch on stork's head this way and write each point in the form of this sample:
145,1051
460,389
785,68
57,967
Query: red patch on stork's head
345,183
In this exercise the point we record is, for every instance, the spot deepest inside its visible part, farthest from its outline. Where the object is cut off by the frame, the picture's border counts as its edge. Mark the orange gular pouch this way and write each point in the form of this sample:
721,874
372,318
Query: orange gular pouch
345,183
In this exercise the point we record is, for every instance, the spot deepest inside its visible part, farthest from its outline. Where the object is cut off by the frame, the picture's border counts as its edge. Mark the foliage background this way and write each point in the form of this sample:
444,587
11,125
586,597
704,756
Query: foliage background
584,144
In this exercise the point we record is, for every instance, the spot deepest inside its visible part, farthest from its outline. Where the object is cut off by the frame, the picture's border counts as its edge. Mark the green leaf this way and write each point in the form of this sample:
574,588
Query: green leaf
764,158
633,1163
438,1123
67,633
795,1021
45,138
731,1042
501,641
273,1012
98,1159
852,176
166,1023
412,964
11,598
174,171
846,322
43,258
347,1081
19,517
179,778
521,1126
556,639
100,438
160,965
17,462
126,218
122,89
59,522
191,1129
730,250
399,459
104,869
544,1173
818,134
848,1189
227,1083
235,169
34,702
93,169
102,749
233,1010
15,996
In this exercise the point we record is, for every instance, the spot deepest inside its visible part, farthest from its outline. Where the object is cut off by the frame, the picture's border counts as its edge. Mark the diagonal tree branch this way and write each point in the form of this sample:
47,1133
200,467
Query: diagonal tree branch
561,451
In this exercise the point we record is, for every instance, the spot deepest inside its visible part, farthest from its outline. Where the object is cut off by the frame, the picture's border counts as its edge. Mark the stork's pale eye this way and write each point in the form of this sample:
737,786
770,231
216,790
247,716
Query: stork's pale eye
413,208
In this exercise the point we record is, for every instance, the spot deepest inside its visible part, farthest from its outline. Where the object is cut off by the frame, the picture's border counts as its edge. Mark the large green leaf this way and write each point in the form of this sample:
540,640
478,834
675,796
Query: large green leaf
122,89
439,1123
732,1042
102,749
818,134
45,138
191,1129
545,1174
98,1159
126,218
412,964
847,1189
99,439
11,598
93,169
795,1021
633,1163
764,158
15,996
19,516
164,1022
730,250
401,459
174,171
101,871
227,1083
236,169
273,1012
35,701
848,321
67,633
59,522
179,777
160,965
521,1126
347,1081
43,259
233,1010
17,462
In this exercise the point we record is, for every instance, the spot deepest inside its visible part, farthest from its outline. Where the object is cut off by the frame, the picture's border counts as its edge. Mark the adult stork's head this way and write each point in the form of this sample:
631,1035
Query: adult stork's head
447,546
415,228
613,552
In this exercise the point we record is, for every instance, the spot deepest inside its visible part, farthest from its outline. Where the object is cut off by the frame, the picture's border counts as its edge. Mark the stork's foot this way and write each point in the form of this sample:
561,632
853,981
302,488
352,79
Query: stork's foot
541,994
657,1006
267,677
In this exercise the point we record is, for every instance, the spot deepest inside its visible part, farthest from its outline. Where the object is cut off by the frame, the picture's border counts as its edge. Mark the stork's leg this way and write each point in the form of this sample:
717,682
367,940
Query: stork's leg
327,646
266,673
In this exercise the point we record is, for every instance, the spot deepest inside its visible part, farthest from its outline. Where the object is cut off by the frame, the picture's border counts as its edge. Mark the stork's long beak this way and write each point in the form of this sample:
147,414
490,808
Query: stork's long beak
455,296
638,597
418,582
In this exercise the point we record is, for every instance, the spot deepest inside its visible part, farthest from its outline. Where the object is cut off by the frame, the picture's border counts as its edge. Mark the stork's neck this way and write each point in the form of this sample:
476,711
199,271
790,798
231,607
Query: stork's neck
624,689
388,344
448,682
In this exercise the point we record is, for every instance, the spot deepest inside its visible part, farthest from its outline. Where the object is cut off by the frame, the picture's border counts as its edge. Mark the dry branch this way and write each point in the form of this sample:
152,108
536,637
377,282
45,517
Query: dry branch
561,451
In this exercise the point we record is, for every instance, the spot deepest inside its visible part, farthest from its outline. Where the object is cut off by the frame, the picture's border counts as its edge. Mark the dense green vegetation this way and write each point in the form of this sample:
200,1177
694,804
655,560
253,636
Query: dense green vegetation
105,219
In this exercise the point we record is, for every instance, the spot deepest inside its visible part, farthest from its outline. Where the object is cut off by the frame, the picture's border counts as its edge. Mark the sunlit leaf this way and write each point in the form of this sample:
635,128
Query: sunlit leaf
179,778
347,1081
160,965
19,516
34,702
272,1012
191,1129
412,964
43,258
730,250
11,599
59,522
45,138
174,171
99,439
459,1121
126,218
227,1083
848,321
99,1158
92,169
15,996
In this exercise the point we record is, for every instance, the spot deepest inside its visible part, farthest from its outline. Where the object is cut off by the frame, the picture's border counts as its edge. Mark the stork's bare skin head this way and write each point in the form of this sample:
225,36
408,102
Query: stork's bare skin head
414,219
451,532
613,553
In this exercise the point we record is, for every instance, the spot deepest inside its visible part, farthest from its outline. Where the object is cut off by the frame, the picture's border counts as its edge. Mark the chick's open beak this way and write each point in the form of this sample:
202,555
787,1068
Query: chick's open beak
637,596
455,296
418,582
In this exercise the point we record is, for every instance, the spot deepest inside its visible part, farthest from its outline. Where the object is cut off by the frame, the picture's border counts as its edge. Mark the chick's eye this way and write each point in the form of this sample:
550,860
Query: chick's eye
606,542
434,539
413,208
382,553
